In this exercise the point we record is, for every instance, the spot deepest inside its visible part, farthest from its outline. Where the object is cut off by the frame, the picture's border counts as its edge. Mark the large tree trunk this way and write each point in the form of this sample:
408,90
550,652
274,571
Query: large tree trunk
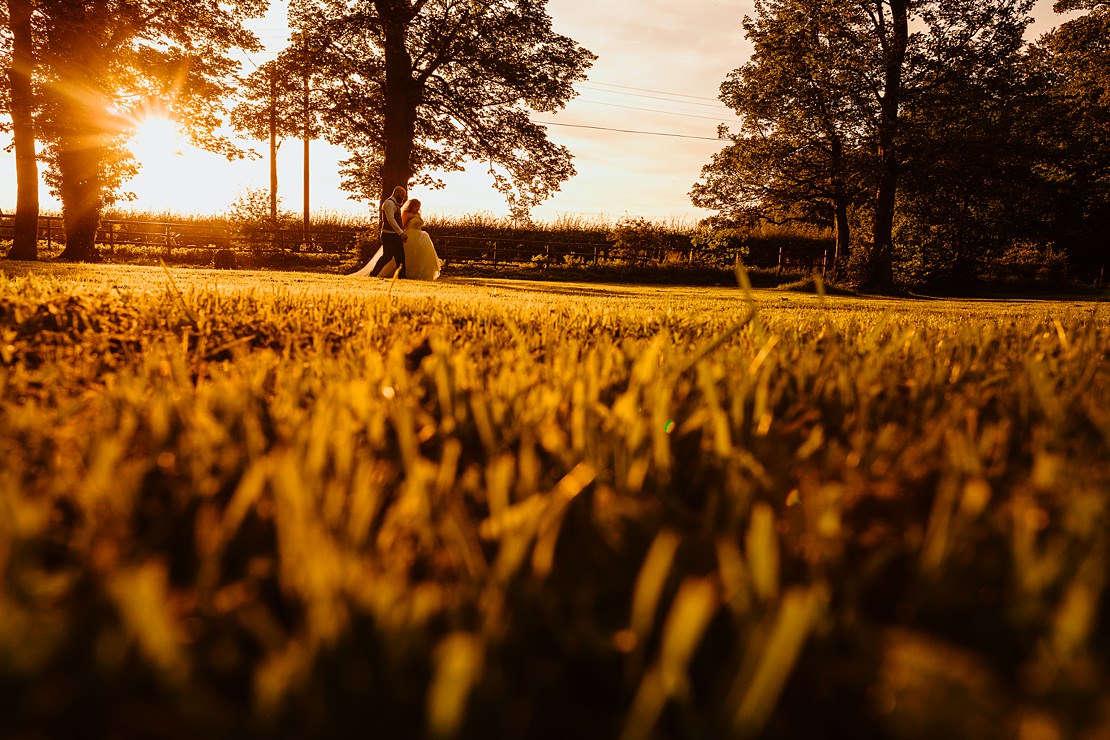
841,203
843,235
402,98
25,238
879,272
79,170
82,121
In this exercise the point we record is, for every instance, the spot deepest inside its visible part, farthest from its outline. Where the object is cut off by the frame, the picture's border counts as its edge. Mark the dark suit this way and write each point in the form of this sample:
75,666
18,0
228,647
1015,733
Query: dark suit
393,246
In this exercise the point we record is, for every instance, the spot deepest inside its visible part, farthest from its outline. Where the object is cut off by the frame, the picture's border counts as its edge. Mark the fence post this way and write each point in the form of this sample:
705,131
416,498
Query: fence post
49,233
824,259
780,258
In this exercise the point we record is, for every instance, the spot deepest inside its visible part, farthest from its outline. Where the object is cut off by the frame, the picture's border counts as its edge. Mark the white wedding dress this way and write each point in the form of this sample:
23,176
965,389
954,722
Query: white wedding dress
421,260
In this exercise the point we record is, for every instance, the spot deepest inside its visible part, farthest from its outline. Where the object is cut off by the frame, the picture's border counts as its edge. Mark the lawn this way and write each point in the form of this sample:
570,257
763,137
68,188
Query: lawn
261,504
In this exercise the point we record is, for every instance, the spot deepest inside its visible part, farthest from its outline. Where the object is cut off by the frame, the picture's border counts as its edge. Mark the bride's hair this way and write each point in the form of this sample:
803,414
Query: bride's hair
408,210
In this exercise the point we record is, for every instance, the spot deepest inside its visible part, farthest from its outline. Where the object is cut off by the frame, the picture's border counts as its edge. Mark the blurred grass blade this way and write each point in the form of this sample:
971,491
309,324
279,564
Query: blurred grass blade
572,484
694,606
141,595
458,663
797,615
180,298
650,584
761,546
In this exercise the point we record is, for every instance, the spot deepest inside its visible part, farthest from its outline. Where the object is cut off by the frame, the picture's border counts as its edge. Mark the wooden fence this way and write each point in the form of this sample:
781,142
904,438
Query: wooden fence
174,235
484,249
181,235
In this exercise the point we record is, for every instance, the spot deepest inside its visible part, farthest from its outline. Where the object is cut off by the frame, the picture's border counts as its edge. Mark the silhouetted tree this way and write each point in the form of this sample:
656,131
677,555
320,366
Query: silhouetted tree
969,160
841,75
416,85
22,108
795,155
101,63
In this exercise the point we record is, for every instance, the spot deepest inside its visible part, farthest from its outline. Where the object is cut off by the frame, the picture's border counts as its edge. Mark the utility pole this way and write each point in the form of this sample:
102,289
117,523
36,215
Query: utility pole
307,133
273,146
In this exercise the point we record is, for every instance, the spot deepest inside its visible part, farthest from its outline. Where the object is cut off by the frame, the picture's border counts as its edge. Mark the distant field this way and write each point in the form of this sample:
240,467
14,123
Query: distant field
299,505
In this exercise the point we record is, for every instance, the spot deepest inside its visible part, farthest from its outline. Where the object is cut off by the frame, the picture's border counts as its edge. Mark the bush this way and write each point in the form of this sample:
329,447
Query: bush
638,240
249,214
1026,265
224,259
721,246
798,247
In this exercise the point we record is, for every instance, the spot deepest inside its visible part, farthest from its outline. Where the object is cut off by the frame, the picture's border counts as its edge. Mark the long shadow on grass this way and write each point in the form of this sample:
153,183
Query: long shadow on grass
581,289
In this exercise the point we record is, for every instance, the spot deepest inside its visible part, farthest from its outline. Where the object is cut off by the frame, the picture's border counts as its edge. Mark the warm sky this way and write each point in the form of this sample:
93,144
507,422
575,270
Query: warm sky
660,64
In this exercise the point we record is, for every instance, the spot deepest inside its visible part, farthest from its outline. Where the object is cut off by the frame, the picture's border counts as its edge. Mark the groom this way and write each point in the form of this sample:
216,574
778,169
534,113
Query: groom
393,236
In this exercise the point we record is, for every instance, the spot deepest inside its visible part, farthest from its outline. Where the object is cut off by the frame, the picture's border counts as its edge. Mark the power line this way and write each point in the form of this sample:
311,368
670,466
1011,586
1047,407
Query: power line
646,89
628,131
718,106
652,110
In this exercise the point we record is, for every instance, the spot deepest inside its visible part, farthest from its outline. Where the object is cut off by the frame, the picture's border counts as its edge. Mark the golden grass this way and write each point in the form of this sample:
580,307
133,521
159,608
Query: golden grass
301,505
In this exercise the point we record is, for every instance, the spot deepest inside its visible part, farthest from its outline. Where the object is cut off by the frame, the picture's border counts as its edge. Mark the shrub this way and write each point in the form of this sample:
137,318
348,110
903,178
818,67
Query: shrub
798,247
224,259
249,214
721,246
637,240
1026,264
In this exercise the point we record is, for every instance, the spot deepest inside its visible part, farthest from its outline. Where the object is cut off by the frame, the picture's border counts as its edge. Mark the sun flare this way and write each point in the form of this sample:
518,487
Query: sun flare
173,174
157,139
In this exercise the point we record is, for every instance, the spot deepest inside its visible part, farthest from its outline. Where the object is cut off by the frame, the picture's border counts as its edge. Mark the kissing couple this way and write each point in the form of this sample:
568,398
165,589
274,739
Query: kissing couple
406,250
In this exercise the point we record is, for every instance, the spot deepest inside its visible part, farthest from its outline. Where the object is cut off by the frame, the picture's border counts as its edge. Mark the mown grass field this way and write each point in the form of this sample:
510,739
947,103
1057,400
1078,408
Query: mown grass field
297,505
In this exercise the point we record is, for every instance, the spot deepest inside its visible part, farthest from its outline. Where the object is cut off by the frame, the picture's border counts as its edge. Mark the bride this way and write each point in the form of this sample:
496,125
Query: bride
421,260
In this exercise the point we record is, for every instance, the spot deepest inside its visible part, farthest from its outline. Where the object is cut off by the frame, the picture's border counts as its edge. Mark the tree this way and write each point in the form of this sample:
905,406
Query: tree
104,63
1075,129
270,109
417,85
968,191
890,29
842,75
794,157
21,105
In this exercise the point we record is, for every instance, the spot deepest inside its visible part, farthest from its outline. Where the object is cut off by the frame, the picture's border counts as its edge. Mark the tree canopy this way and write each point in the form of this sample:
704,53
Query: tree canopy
100,67
1074,129
834,101
418,85
794,157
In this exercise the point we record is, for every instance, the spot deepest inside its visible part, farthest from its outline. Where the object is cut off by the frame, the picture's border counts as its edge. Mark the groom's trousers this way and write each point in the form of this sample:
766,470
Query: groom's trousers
393,247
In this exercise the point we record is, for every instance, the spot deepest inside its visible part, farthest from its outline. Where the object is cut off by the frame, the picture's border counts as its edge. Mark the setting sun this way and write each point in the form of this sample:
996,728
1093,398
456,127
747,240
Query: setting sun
174,174
158,141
